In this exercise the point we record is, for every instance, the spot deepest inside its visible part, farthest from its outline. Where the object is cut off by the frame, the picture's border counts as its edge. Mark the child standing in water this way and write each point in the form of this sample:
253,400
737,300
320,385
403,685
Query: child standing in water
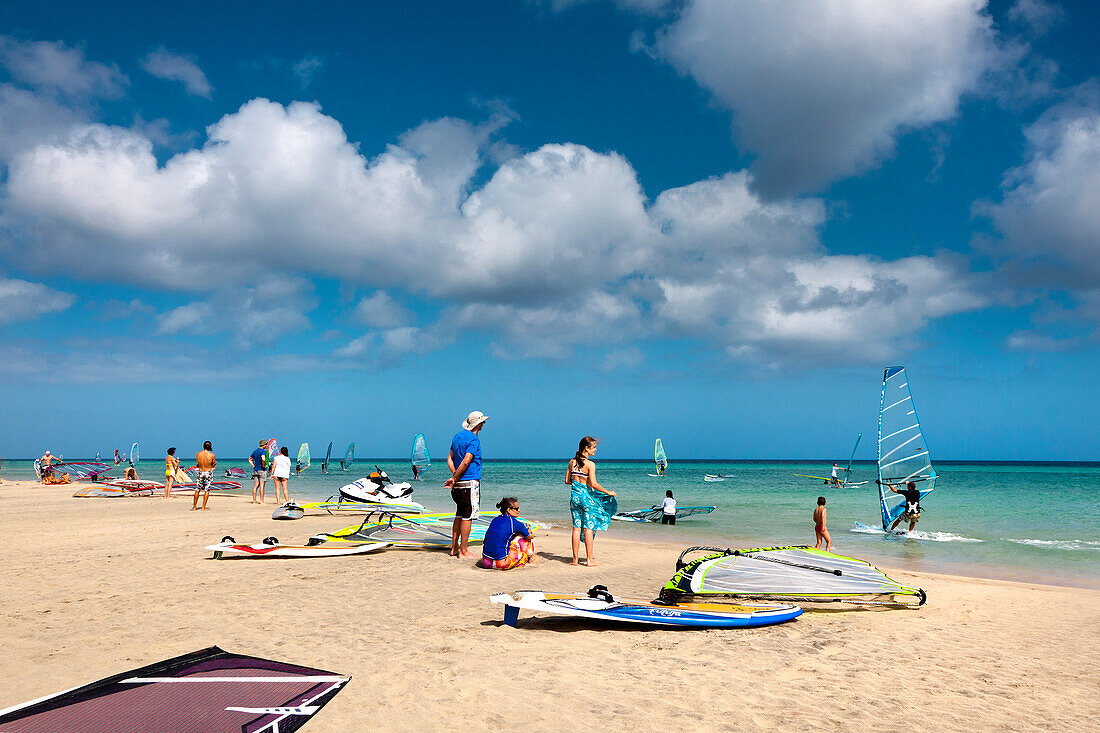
819,526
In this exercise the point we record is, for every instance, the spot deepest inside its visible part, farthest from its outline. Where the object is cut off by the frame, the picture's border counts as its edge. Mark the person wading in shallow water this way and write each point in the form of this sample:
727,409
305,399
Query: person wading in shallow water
912,505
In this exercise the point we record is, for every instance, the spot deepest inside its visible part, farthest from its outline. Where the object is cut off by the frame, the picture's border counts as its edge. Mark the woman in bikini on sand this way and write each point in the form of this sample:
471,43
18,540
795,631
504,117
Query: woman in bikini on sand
589,513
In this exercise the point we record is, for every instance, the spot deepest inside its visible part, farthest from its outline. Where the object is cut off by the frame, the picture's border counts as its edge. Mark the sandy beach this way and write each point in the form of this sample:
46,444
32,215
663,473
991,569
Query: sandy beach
96,586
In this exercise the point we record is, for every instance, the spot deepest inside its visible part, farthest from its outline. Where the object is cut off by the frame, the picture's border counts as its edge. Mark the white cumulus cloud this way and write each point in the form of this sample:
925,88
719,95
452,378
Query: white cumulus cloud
822,89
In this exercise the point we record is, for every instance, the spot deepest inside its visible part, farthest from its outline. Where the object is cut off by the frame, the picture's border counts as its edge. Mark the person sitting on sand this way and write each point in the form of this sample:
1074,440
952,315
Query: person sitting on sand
668,509
819,526
912,505
509,542
205,461
589,513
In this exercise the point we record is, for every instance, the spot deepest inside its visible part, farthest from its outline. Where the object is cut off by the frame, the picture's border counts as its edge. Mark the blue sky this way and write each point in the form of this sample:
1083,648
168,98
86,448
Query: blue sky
709,220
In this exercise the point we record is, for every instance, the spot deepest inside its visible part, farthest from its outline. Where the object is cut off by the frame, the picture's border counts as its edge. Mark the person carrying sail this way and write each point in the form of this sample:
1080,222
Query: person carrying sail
912,505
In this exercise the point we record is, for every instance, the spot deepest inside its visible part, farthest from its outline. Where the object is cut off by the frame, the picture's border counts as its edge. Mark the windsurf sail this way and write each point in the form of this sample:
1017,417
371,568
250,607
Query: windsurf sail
429,530
902,453
654,513
303,457
135,454
420,457
97,457
272,451
81,469
349,456
659,456
328,455
205,690
796,573
851,457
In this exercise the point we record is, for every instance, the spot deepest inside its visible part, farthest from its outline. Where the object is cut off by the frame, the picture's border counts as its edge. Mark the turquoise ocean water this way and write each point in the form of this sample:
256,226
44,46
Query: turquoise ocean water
1036,522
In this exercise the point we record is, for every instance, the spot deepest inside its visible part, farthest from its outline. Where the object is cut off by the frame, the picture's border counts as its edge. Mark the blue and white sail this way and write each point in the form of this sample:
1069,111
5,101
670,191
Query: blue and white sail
420,457
902,453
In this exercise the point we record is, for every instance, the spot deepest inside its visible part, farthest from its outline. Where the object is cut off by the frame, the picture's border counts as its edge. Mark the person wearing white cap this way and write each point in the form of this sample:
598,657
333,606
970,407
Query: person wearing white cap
464,460
45,462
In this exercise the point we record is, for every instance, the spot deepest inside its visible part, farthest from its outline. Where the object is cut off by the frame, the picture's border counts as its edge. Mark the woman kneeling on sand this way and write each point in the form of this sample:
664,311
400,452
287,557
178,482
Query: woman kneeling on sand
508,541
591,512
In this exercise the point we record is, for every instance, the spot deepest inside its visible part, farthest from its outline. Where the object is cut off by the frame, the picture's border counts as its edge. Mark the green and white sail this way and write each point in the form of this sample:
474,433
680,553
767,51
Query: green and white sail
793,573
902,453
659,457
303,457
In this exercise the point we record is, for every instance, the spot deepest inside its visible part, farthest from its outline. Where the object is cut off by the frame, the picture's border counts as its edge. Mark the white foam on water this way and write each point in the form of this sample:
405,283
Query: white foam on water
939,537
1058,544
915,534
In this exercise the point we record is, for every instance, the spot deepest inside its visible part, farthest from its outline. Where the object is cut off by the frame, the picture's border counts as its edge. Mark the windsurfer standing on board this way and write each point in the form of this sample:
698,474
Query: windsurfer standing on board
205,461
834,479
912,505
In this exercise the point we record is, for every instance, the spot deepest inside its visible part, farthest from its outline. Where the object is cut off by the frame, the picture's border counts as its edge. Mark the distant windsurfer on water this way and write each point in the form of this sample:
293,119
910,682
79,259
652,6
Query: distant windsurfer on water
834,479
912,505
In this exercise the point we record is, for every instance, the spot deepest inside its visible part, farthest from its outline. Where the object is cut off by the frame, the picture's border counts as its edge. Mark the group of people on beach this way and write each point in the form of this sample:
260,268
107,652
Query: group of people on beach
508,542
279,471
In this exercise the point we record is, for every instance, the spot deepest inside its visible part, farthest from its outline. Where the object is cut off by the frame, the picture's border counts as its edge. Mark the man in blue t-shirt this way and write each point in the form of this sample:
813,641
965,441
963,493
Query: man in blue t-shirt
258,461
464,460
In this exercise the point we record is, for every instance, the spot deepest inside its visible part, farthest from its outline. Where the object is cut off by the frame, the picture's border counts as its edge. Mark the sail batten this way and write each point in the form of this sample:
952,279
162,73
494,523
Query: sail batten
902,452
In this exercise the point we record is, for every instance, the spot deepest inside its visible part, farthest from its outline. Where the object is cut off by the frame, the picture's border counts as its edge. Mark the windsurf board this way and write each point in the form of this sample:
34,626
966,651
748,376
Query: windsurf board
260,549
604,607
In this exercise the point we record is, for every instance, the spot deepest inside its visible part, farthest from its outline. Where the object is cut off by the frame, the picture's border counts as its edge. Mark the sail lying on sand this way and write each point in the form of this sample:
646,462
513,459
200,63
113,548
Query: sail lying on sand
206,690
785,573
902,453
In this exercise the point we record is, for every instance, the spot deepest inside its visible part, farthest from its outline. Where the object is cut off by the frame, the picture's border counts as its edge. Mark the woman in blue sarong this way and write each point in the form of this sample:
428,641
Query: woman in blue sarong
590,503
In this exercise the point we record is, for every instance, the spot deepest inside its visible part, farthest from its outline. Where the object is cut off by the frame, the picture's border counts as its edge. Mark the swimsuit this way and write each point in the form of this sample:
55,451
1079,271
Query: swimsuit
202,483
467,497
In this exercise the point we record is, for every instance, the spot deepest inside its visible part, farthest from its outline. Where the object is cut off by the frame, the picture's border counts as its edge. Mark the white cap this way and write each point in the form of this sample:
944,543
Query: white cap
474,419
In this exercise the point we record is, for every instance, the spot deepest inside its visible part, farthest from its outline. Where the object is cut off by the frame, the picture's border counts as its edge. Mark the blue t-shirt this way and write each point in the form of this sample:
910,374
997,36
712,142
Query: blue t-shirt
258,458
463,443
501,531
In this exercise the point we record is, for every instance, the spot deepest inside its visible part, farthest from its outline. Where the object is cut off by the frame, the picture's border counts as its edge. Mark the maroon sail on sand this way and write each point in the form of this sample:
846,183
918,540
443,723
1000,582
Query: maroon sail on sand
208,691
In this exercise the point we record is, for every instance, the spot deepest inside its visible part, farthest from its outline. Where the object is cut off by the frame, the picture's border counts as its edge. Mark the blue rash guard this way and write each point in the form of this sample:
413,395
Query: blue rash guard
467,442
501,531
257,457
